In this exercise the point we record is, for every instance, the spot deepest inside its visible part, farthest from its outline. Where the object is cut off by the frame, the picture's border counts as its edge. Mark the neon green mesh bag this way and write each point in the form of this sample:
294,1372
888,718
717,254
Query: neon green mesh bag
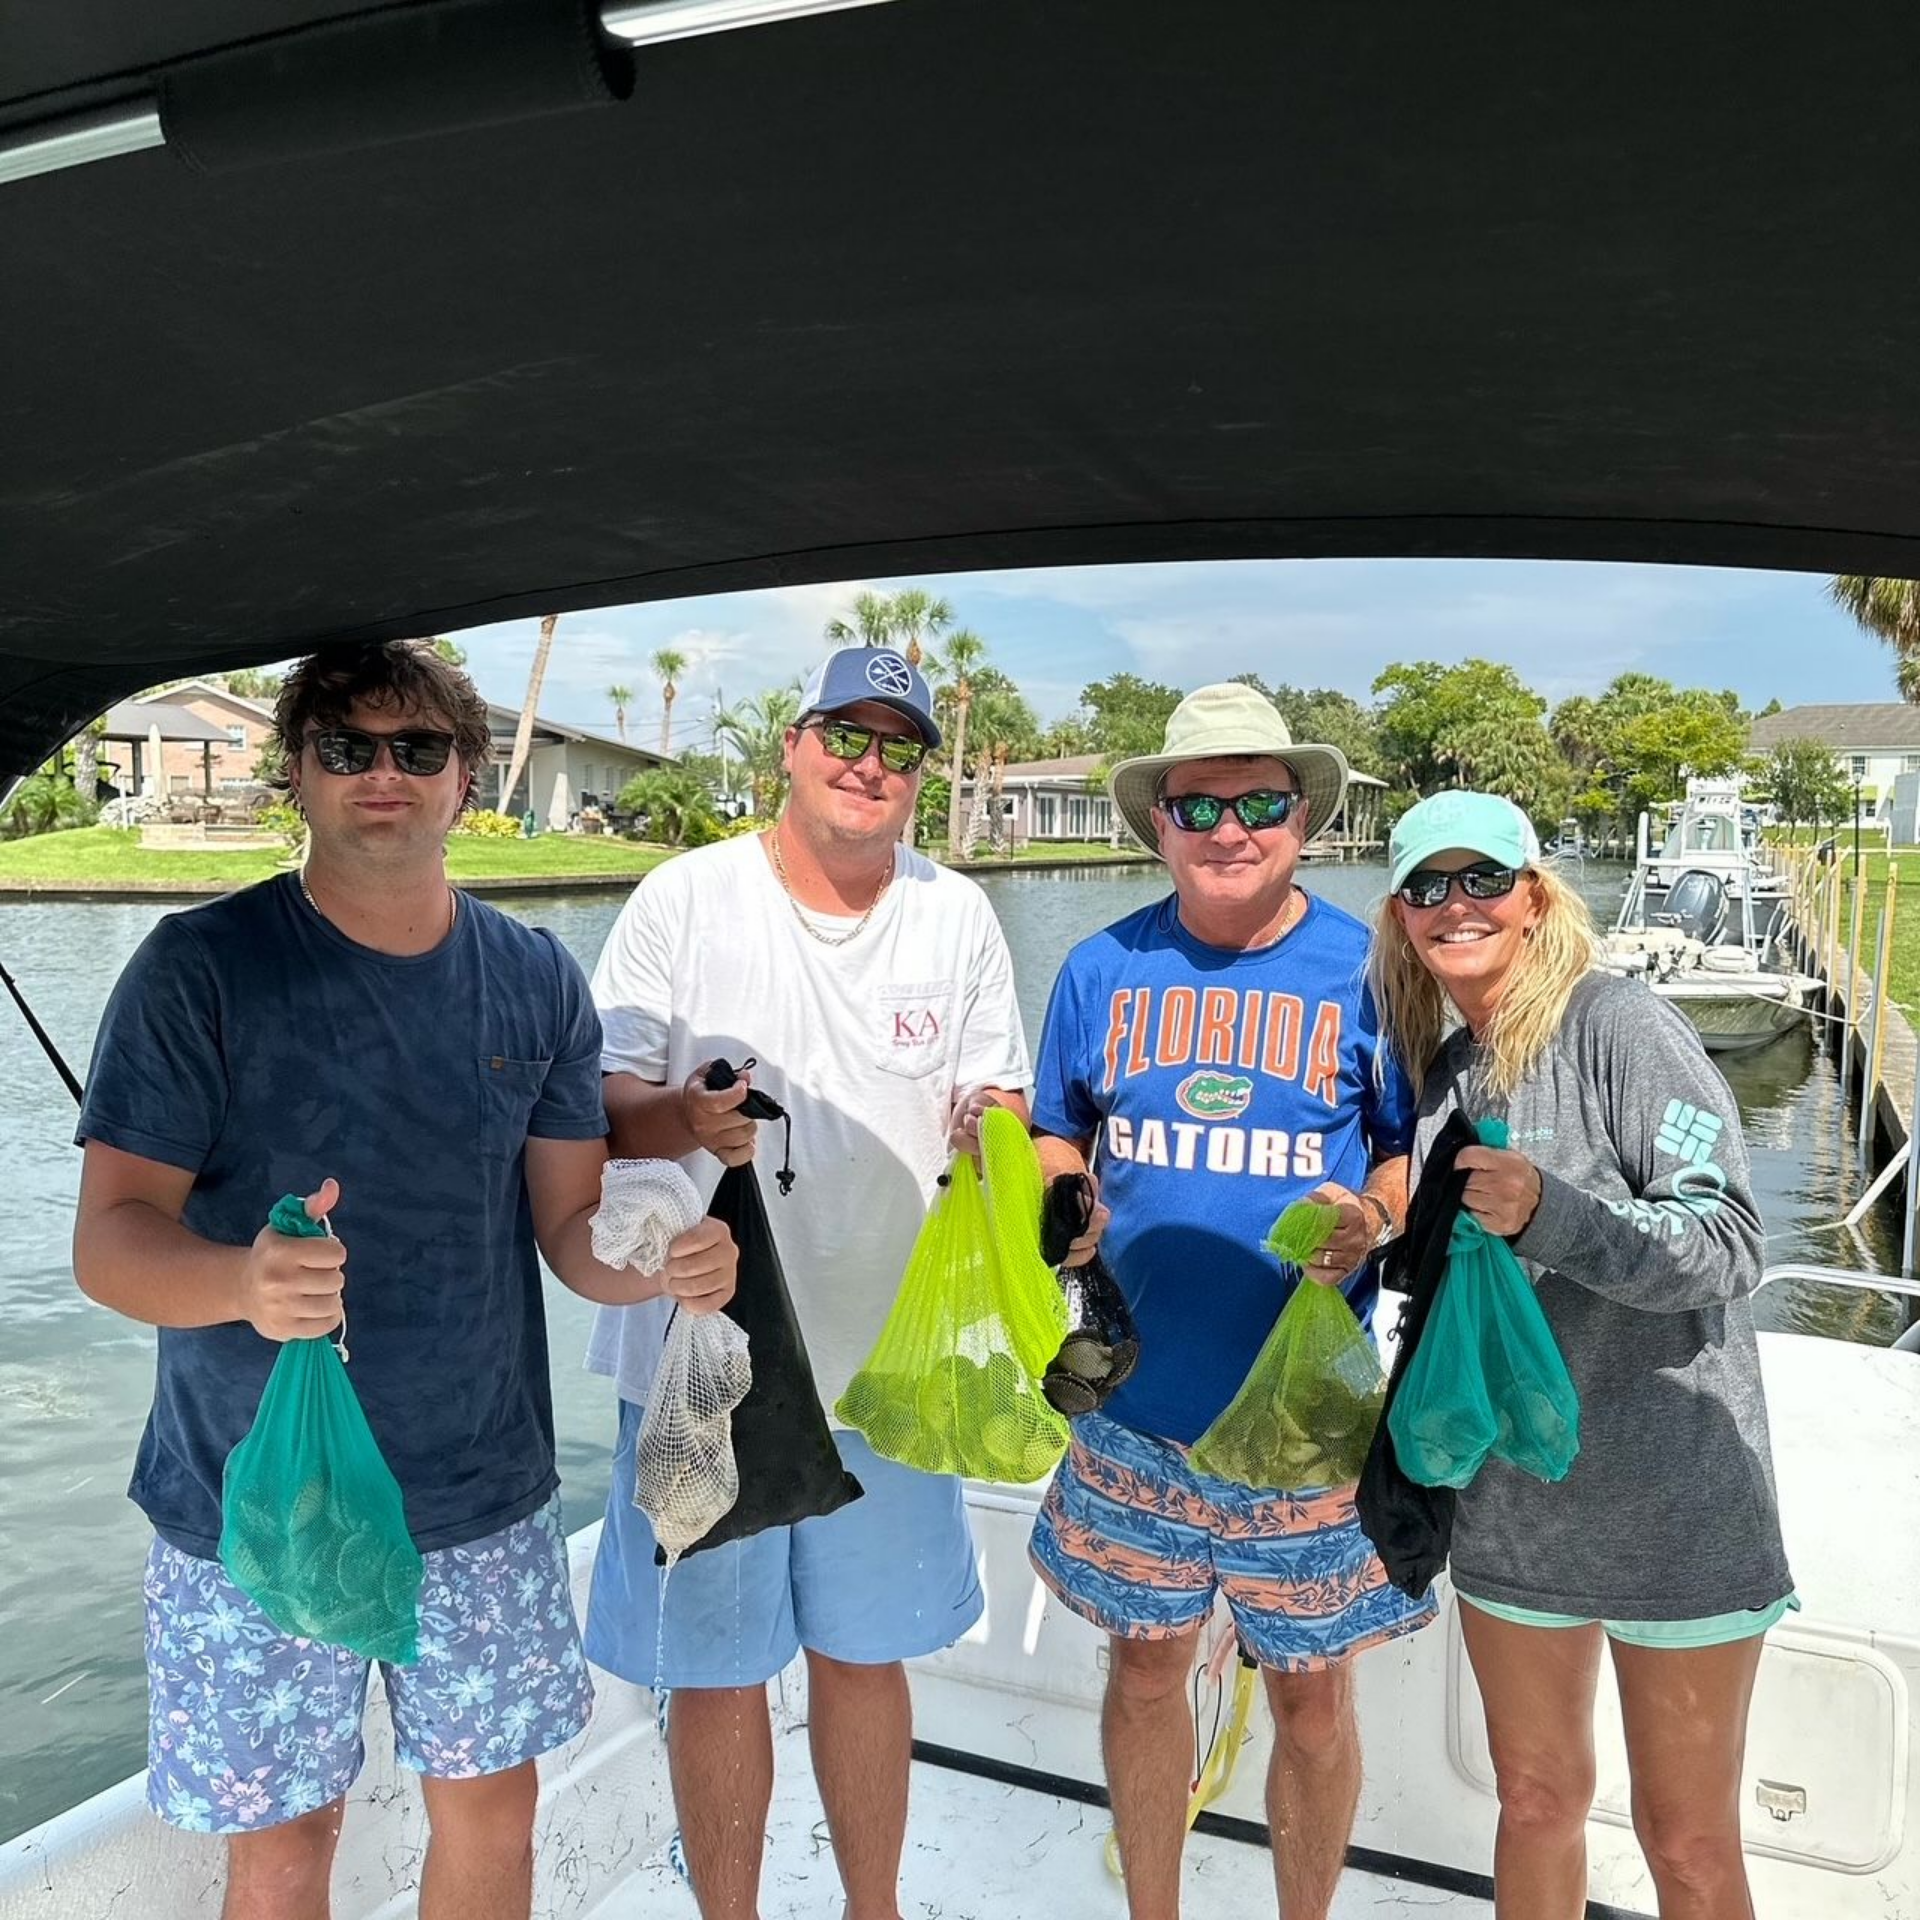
1305,1414
313,1527
953,1382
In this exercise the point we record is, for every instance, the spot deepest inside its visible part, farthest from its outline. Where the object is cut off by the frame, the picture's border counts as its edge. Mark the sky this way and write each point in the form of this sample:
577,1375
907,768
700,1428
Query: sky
1565,627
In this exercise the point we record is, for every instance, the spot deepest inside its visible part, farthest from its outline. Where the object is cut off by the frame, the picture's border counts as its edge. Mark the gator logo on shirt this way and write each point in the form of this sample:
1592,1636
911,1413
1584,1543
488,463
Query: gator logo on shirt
1215,1096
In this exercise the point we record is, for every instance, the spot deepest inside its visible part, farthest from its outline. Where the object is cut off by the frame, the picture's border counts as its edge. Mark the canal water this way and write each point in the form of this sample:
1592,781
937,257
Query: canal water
75,1380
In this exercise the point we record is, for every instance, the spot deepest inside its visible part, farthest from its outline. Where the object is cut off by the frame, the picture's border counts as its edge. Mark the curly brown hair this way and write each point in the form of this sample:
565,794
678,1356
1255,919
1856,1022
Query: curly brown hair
406,676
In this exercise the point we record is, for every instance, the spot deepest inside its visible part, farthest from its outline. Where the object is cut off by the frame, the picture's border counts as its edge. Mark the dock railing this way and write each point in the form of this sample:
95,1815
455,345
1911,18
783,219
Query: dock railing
1858,1016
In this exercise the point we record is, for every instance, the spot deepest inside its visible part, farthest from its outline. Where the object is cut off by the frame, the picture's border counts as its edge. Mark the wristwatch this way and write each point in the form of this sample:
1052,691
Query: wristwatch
1380,1209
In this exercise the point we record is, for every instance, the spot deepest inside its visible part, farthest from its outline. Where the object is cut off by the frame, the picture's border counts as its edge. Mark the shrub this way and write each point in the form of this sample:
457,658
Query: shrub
677,804
282,817
45,804
488,824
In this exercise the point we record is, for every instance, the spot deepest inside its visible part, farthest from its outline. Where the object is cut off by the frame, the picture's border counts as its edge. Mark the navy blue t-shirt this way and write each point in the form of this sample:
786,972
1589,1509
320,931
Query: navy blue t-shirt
252,1044
1218,1086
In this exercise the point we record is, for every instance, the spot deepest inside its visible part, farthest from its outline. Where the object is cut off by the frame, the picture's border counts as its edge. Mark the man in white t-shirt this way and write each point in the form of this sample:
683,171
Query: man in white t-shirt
876,992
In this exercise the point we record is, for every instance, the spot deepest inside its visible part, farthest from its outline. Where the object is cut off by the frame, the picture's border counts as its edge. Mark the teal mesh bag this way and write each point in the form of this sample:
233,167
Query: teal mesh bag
1487,1376
313,1527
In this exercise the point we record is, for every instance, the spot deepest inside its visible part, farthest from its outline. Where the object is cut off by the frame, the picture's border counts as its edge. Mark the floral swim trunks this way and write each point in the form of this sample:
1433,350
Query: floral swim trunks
249,1726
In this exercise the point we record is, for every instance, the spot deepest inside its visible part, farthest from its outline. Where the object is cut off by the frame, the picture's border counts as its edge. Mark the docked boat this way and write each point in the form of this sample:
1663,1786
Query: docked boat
1702,920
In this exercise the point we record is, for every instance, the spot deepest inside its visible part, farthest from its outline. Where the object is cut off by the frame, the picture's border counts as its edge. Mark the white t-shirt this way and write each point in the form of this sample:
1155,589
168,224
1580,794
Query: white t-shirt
864,1045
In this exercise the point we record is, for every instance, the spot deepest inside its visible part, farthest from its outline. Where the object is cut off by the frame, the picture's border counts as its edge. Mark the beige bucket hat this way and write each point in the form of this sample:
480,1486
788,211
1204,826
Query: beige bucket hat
1228,719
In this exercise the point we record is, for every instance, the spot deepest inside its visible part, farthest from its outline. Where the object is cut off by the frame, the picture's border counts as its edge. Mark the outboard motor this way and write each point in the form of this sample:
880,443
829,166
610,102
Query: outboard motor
1696,903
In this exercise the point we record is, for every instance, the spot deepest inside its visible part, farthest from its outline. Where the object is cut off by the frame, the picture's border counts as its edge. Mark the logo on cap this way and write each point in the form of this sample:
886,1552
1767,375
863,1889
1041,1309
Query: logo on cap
888,673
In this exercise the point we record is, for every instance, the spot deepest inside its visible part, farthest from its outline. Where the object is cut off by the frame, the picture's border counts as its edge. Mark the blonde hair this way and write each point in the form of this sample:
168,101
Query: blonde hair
1415,1012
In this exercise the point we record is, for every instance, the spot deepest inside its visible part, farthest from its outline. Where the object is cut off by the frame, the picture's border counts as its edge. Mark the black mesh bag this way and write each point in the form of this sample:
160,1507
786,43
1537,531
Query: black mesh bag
1101,1346
1410,1525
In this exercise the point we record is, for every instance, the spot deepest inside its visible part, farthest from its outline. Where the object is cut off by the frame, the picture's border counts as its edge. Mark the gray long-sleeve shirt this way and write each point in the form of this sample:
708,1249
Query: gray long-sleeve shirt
1645,1250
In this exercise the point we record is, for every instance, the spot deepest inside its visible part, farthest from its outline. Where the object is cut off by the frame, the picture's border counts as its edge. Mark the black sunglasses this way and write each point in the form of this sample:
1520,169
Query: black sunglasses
418,750
1202,812
1429,886
899,752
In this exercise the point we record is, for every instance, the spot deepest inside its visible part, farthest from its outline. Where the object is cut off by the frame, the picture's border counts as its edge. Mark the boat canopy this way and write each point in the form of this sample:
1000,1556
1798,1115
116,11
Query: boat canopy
356,321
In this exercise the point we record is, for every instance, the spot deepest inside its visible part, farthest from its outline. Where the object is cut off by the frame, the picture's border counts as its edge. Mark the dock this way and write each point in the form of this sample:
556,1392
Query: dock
1841,933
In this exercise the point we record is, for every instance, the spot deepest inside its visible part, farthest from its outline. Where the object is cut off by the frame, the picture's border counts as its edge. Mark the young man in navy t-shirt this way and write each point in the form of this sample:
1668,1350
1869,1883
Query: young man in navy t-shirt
426,1071
1214,1057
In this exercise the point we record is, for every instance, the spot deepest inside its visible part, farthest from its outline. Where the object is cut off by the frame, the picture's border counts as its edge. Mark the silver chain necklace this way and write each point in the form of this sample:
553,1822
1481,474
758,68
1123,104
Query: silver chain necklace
453,902
800,913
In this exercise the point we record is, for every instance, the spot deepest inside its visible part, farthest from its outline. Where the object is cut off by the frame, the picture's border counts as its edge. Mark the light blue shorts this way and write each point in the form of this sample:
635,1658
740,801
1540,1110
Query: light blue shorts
1715,1630
889,1577
250,1726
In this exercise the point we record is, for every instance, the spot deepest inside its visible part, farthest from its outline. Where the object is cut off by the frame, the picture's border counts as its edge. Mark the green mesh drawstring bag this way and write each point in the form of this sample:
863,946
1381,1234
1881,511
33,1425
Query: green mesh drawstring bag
1031,1299
1487,1376
952,1383
1305,1414
313,1527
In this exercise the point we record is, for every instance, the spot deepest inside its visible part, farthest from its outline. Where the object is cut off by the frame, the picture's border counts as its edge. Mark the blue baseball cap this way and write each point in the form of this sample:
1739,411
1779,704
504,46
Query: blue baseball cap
1481,823
857,675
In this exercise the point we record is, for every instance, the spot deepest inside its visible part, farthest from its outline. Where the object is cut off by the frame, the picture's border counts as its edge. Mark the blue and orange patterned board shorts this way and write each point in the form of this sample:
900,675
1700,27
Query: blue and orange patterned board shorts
1133,1539
251,1726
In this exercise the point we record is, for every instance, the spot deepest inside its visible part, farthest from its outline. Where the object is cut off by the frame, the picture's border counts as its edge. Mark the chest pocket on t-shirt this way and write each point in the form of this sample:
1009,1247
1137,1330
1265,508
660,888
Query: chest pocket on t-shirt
508,1092
913,1022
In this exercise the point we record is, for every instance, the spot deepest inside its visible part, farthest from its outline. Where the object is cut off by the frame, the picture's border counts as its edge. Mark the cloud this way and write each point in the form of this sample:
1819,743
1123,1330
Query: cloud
1565,627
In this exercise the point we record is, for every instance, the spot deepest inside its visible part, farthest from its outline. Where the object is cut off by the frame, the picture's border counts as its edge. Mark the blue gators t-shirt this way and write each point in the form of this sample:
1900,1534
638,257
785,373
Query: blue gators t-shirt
252,1044
1218,1086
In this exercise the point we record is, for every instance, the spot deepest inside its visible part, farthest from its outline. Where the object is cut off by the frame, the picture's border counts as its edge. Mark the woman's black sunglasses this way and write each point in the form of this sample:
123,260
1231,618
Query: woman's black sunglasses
1202,812
1429,886
899,752
417,750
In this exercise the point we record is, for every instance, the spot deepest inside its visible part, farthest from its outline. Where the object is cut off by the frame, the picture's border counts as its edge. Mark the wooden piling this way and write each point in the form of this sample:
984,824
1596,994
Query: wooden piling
1882,1005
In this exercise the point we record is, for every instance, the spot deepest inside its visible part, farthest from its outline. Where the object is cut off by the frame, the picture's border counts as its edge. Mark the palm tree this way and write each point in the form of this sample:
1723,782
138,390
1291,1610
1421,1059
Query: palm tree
756,729
900,620
918,615
1890,610
523,733
965,654
668,665
871,625
621,698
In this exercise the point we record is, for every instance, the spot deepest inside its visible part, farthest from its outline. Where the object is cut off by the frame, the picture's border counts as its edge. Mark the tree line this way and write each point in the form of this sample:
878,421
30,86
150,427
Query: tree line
1599,759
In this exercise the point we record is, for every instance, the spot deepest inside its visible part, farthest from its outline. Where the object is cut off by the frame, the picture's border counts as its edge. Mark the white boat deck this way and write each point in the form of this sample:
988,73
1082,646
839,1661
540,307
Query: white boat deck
1830,1806
984,1850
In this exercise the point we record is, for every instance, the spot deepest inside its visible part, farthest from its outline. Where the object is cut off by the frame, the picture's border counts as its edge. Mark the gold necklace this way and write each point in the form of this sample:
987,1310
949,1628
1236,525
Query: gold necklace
799,912
453,901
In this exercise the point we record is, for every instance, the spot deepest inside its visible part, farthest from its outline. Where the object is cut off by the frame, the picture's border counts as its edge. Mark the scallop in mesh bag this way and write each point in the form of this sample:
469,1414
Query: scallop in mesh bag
953,1382
685,1478
313,1524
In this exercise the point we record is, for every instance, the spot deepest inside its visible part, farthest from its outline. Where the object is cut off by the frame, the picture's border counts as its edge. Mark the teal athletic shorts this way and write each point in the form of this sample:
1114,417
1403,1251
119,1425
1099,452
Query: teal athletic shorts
1716,1630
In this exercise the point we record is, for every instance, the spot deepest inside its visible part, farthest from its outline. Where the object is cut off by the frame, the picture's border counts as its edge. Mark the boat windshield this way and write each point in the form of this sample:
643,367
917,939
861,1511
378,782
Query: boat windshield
1702,833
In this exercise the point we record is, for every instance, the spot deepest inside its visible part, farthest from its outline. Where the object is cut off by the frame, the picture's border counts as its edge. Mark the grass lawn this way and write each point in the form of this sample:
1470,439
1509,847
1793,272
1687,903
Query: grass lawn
108,857
1904,957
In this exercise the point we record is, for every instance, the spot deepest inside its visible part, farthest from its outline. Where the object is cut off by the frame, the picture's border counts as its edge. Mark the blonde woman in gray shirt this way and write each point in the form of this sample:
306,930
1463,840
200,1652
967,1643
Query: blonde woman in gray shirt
1626,1193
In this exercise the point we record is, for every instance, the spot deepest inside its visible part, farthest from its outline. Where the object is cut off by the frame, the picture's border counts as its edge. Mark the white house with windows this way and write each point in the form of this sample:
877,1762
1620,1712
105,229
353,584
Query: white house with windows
1872,743
1051,800
568,769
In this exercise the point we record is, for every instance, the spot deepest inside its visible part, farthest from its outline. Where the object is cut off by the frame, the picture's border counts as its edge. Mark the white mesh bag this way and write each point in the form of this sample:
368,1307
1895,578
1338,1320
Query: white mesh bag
685,1480
684,1475
645,1205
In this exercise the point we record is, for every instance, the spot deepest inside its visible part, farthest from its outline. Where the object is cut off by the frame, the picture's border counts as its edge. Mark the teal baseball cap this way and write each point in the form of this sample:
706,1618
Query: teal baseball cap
1481,823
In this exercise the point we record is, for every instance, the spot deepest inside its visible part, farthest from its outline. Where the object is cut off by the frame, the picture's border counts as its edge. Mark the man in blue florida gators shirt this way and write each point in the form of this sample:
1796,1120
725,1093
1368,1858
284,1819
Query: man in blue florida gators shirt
1215,1056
